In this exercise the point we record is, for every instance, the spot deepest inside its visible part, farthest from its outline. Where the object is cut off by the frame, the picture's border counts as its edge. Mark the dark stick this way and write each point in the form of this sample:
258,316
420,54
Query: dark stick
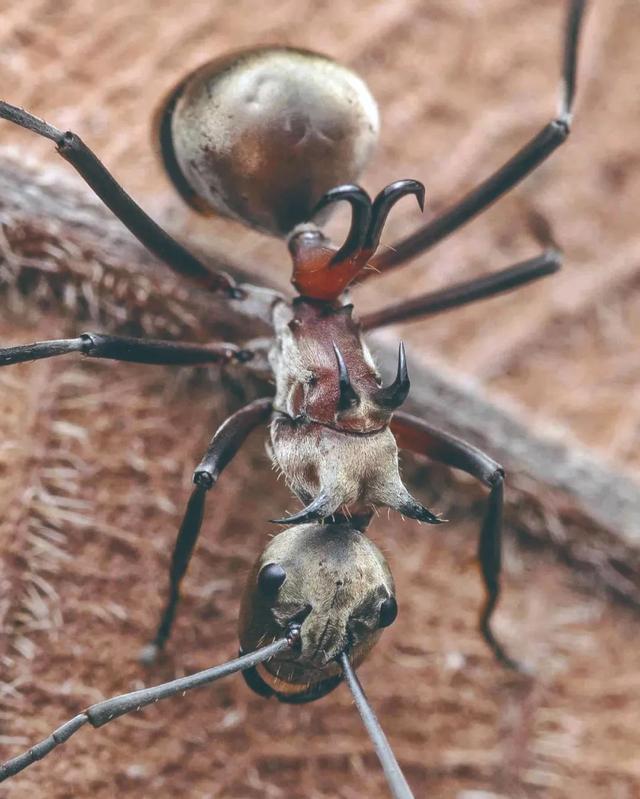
537,150
225,443
104,712
460,294
230,436
397,783
421,438
182,551
152,236
123,348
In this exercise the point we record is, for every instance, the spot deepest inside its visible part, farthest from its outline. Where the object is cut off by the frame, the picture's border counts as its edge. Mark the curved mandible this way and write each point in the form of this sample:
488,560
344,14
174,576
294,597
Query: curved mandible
361,207
385,201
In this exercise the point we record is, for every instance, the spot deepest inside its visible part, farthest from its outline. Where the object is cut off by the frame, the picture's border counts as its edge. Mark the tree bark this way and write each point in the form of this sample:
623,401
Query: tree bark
60,249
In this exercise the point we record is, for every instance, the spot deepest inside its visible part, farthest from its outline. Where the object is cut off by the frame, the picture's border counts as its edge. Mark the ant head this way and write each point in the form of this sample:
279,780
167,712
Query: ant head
334,583
261,134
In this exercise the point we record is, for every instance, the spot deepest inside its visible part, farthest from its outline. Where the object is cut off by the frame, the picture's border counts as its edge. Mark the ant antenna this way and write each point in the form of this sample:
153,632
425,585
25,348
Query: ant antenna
110,709
397,783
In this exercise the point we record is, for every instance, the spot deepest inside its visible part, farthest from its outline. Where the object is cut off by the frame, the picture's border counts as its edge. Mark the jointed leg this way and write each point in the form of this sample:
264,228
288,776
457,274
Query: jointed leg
507,176
419,437
463,293
224,445
122,348
152,236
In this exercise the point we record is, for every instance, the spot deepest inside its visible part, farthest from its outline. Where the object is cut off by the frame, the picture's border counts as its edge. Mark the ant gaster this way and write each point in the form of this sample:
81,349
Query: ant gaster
265,136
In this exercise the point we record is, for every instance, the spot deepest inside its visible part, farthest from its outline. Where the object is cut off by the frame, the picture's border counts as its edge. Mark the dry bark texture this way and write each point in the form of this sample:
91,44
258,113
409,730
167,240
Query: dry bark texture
95,458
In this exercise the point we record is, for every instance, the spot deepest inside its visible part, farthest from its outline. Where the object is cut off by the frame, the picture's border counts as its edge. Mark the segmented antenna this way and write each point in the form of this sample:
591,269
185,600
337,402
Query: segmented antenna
397,783
104,712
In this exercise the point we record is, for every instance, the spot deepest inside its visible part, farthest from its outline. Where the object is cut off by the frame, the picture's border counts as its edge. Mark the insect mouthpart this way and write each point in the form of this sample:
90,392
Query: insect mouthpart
322,272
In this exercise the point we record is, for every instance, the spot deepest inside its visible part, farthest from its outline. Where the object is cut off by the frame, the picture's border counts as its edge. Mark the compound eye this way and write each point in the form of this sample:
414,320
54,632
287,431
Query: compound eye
388,612
271,578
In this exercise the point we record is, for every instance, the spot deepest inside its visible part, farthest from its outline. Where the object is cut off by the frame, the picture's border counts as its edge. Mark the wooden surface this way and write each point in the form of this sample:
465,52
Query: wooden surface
95,459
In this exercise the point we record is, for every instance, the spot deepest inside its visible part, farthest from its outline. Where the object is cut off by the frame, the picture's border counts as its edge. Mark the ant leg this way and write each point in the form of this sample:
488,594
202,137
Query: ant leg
122,348
151,235
455,296
226,442
537,150
419,437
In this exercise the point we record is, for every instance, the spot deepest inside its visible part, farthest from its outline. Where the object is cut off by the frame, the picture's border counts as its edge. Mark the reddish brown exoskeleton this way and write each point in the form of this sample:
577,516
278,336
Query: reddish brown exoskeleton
265,136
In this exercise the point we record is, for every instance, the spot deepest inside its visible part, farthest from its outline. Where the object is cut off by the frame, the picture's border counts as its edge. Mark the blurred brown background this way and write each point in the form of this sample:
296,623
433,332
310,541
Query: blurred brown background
95,459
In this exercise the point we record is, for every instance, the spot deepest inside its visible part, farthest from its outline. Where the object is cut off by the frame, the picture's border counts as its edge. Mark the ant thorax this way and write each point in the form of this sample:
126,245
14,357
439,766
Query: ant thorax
303,359
330,435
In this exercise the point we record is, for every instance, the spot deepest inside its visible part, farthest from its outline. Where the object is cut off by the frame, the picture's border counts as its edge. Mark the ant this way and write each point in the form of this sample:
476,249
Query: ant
268,136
